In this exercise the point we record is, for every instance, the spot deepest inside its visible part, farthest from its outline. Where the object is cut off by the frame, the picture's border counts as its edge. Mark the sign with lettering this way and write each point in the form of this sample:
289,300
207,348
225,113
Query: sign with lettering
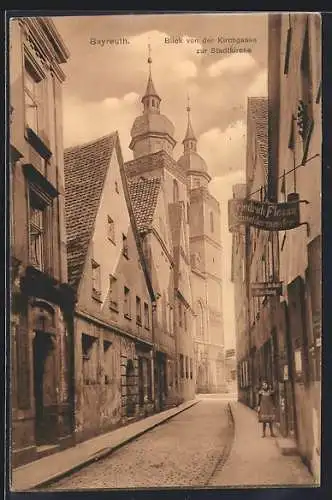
269,216
264,288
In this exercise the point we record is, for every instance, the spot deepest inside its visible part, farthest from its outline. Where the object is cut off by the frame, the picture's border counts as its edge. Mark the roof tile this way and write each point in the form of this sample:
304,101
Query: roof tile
86,166
144,196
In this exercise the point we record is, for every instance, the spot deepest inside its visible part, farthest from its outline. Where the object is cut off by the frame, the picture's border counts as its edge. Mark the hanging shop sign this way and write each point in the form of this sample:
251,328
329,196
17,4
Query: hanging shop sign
269,216
261,289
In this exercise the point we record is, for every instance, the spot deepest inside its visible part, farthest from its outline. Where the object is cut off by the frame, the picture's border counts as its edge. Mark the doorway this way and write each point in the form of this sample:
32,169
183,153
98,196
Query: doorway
45,389
131,388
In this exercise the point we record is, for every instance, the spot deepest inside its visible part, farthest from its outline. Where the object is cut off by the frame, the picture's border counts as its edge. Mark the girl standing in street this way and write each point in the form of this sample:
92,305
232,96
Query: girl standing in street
266,409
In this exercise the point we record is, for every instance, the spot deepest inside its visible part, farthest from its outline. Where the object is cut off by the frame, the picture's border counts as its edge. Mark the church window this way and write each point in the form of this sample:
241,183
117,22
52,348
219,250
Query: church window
211,222
197,182
175,191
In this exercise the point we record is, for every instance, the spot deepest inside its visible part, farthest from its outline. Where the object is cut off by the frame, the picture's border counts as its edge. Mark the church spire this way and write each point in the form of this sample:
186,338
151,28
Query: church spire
190,141
151,99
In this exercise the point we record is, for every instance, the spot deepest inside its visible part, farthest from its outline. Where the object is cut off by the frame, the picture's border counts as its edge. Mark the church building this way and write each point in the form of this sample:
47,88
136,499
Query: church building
182,242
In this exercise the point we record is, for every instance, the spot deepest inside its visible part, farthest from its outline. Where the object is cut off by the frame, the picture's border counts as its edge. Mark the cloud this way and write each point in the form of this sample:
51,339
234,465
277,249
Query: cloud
235,64
224,151
258,88
86,121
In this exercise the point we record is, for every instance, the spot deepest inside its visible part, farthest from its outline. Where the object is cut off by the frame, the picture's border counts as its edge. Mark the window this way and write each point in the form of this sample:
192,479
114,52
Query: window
175,191
107,362
116,187
181,366
90,359
211,222
31,99
146,316
96,286
185,319
188,220
125,246
110,229
197,182
187,367
127,304
270,261
191,368
113,293
170,312
180,314
138,311
37,218
34,97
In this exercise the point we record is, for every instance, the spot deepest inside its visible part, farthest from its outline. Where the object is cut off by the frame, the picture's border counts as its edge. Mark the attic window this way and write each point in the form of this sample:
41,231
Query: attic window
125,246
110,229
96,285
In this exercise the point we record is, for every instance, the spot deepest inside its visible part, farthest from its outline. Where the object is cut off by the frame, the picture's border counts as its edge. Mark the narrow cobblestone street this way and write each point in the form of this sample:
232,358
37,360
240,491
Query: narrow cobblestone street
181,452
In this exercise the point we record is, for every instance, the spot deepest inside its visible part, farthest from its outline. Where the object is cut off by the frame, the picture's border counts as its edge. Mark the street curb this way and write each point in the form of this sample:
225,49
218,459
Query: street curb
228,445
105,452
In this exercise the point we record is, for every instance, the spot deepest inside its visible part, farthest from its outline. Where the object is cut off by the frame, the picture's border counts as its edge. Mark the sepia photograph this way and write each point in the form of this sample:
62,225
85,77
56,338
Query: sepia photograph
164,176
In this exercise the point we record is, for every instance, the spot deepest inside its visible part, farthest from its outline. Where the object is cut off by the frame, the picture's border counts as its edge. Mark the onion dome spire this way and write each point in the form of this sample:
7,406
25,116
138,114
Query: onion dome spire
190,141
150,99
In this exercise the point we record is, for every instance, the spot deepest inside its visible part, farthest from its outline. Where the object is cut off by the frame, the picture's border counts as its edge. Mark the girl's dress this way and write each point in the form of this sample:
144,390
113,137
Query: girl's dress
266,404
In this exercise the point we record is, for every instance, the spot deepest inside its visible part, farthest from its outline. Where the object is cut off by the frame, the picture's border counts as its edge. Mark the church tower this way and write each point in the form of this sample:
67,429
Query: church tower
206,264
159,194
151,131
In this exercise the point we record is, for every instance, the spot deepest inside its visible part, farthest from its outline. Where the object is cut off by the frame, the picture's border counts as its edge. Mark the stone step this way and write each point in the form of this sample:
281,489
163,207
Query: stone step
287,446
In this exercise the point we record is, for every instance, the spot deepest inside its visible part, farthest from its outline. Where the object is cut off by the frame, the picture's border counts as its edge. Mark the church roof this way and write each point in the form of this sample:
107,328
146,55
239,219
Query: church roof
150,89
86,167
193,161
152,123
144,196
190,135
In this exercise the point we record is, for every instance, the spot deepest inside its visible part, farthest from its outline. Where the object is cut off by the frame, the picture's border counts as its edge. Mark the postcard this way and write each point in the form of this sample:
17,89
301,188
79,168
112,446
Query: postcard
165,251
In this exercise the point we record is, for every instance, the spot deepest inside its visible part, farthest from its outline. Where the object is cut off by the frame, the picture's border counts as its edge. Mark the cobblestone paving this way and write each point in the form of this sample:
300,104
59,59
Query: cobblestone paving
181,452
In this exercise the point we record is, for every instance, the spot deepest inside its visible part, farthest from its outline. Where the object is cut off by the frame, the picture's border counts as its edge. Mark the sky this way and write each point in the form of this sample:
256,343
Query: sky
106,80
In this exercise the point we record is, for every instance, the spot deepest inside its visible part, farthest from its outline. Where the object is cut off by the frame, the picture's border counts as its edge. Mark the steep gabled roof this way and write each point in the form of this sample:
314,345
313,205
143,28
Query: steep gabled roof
144,196
258,111
86,167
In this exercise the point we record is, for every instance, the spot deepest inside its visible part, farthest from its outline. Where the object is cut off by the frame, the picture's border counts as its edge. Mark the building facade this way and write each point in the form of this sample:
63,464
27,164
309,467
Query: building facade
42,394
296,141
239,279
113,315
282,341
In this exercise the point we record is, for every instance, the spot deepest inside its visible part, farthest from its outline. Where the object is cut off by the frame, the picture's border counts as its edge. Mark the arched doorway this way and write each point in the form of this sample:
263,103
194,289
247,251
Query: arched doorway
45,373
